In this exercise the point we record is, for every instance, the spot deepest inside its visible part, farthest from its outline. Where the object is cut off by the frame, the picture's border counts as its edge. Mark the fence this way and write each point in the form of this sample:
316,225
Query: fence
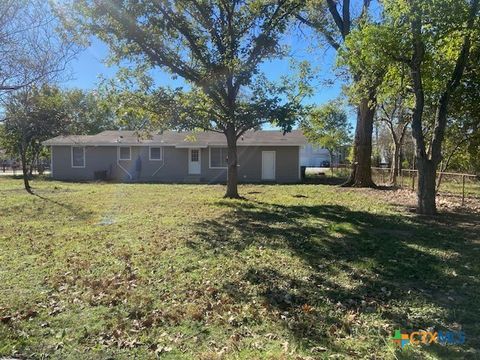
16,169
454,185
448,183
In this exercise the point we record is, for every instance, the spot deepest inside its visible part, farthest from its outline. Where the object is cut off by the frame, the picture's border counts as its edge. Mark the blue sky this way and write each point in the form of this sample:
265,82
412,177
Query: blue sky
90,66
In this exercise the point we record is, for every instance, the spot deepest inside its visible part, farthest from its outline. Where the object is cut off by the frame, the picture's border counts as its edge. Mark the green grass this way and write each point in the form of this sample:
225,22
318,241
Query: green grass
472,187
119,271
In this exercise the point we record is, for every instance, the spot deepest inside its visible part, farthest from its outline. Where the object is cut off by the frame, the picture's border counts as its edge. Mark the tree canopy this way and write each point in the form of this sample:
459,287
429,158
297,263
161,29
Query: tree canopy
32,115
433,41
215,46
32,49
328,127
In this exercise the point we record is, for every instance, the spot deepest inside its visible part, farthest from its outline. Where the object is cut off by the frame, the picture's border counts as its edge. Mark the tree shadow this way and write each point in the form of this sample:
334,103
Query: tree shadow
362,265
73,211
324,180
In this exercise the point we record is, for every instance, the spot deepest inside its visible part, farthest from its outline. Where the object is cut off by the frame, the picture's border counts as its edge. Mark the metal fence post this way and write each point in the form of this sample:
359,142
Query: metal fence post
413,181
463,189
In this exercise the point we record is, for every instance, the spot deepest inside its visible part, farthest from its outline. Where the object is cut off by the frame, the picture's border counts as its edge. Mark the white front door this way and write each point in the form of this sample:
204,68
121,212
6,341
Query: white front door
268,165
194,161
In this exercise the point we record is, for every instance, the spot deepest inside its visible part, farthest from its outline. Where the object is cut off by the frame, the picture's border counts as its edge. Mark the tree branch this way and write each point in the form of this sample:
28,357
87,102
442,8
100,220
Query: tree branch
332,7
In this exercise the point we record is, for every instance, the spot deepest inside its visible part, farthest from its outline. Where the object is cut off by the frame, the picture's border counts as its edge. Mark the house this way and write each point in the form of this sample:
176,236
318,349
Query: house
314,155
176,156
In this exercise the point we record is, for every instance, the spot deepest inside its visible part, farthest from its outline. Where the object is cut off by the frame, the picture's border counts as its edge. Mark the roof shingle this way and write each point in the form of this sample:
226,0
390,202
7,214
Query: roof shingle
180,139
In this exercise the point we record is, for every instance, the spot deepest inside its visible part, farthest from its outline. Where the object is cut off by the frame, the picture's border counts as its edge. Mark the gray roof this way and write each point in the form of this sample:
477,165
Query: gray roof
180,139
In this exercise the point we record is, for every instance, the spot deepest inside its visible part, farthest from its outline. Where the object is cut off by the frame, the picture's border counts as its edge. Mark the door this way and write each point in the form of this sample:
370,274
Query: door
194,161
268,165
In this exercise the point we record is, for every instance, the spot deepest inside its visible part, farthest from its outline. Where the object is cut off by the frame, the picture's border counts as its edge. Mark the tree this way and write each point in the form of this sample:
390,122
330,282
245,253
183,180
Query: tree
393,110
88,112
328,127
433,40
461,150
429,33
31,50
32,115
335,20
215,46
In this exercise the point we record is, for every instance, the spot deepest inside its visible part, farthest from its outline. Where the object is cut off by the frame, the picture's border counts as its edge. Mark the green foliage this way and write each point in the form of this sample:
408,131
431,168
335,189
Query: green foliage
380,54
32,116
385,48
328,127
88,112
215,46
37,114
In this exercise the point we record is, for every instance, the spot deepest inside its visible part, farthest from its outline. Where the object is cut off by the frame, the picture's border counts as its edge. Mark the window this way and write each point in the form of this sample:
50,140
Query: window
78,156
124,153
194,155
218,158
155,153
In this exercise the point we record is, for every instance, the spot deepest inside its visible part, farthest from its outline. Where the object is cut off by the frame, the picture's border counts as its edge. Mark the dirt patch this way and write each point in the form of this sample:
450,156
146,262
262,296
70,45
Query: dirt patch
407,199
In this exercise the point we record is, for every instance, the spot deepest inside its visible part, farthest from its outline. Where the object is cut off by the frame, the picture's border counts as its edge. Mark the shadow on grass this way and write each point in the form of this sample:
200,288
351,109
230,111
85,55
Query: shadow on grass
325,180
73,211
412,273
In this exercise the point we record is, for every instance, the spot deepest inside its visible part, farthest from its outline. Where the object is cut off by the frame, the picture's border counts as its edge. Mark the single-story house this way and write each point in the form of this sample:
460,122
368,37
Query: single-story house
176,156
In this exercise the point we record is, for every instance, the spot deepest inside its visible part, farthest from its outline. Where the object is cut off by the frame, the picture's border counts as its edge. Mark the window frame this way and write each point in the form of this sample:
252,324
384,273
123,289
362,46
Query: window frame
84,157
191,155
210,158
129,153
150,153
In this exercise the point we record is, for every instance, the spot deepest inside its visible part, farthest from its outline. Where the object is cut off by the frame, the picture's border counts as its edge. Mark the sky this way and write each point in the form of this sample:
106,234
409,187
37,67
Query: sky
90,66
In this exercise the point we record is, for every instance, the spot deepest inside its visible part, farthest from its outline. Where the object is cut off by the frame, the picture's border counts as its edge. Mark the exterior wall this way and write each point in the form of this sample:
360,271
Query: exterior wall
312,156
96,159
174,165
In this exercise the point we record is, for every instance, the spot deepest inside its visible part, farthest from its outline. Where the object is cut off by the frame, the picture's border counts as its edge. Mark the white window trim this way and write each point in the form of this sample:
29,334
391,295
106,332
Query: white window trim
150,153
210,158
130,153
84,157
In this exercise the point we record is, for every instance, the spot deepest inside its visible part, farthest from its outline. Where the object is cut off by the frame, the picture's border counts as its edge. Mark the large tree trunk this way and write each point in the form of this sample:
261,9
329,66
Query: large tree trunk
361,175
232,172
426,187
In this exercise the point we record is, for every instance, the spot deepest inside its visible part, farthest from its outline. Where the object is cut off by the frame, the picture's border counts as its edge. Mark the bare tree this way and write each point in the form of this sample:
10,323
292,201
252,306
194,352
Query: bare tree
32,49
396,118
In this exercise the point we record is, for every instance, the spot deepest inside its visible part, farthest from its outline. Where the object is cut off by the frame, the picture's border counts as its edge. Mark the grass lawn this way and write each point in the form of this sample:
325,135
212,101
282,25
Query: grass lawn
123,271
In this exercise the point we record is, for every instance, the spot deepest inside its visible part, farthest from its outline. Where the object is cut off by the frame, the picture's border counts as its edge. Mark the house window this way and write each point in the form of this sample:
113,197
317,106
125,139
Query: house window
78,156
155,153
194,155
124,153
218,158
